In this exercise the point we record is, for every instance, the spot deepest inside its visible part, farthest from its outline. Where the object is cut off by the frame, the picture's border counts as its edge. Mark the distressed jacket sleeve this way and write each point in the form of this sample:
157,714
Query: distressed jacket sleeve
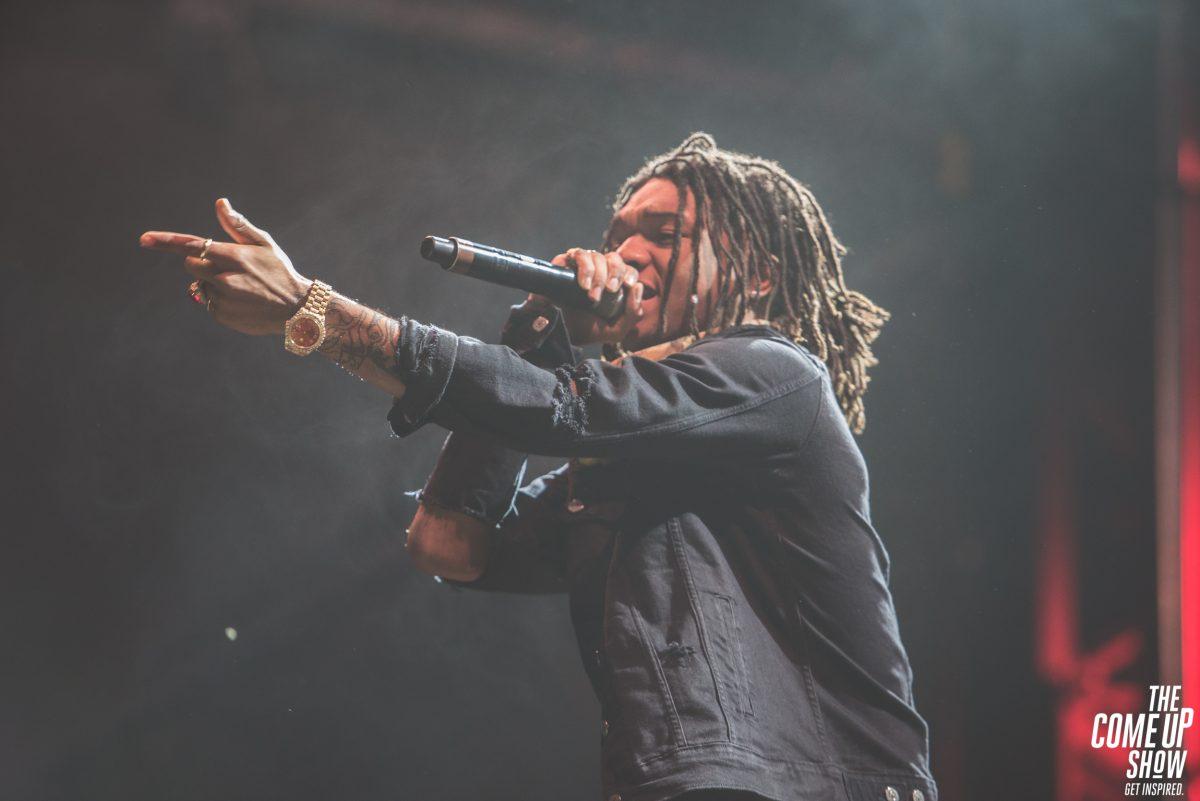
477,476
722,395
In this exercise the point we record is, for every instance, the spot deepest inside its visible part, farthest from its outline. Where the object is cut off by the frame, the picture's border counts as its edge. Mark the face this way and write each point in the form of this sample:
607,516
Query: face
643,232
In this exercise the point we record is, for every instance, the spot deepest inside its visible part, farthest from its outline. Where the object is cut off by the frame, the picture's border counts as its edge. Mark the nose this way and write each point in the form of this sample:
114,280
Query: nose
634,253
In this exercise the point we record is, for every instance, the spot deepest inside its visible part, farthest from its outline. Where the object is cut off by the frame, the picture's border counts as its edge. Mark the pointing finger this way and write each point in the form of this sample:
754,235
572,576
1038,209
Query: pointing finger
183,244
167,242
238,227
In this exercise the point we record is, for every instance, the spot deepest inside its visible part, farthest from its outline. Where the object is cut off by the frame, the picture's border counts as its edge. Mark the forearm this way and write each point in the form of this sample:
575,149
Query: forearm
449,544
470,491
363,342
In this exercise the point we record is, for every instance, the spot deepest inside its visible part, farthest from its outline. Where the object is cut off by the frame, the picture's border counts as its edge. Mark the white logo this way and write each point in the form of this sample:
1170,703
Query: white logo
1154,740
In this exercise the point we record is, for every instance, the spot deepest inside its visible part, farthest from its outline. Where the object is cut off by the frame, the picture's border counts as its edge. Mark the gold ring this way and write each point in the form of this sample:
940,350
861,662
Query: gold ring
204,251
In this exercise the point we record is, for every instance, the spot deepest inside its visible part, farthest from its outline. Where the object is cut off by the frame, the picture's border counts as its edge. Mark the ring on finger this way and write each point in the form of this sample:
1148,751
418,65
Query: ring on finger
196,291
204,250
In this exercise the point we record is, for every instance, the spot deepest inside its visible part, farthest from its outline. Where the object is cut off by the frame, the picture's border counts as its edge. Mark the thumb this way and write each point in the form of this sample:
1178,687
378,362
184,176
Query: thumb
239,228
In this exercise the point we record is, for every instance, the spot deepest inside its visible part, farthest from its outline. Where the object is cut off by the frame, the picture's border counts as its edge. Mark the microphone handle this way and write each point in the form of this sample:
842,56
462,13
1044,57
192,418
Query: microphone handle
518,271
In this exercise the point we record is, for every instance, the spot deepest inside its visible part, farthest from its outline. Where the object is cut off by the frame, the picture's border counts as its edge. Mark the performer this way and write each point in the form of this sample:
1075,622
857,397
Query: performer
712,527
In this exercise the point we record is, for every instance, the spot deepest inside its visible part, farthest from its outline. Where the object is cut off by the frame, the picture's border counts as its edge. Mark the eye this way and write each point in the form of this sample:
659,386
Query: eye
665,237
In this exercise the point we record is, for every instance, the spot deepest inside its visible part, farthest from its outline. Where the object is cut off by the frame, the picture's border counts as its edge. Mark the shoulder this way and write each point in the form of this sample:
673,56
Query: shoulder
760,351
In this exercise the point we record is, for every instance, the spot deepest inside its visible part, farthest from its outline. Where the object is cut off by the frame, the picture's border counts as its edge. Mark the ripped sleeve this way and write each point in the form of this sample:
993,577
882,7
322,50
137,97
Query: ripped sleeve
425,358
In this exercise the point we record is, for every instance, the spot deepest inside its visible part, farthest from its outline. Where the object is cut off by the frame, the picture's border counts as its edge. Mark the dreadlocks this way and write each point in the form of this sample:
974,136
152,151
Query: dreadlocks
765,226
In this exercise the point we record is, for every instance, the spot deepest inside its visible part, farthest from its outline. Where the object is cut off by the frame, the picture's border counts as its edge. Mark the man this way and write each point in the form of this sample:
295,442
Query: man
728,590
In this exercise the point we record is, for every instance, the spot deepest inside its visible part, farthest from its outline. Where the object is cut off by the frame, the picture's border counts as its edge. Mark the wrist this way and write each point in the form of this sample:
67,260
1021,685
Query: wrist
299,294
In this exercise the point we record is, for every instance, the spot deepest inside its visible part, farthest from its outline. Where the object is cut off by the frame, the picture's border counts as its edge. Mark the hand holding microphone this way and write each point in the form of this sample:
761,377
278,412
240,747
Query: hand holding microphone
600,285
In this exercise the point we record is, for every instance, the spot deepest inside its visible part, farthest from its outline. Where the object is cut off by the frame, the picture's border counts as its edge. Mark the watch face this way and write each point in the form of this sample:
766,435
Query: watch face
305,332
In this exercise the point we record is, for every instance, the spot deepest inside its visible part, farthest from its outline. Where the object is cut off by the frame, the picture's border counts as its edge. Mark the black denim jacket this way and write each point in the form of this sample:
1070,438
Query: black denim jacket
729,593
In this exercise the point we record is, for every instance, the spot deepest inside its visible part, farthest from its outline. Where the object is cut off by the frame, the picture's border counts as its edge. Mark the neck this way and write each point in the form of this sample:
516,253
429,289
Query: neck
661,350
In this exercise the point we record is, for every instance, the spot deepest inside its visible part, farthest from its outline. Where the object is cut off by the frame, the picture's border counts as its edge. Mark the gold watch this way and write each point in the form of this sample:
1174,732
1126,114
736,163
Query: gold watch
305,331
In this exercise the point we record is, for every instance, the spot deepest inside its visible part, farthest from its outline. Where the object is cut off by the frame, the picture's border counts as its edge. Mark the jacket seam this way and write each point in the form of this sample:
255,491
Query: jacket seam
887,774
810,682
816,416
665,755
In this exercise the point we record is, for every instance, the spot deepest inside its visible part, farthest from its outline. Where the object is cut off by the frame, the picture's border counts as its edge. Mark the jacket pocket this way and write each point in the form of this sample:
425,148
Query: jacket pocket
680,670
726,654
704,661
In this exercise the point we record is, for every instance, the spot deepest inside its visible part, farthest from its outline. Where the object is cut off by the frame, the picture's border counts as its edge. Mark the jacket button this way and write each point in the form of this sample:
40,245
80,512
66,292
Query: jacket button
604,733
891,793
574,506
918,796
540,323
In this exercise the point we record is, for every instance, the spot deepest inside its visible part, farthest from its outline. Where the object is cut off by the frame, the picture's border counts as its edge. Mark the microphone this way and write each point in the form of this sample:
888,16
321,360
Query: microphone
505,268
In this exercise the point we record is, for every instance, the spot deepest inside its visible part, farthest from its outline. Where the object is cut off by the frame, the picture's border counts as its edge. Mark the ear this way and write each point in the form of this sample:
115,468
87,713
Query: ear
766,282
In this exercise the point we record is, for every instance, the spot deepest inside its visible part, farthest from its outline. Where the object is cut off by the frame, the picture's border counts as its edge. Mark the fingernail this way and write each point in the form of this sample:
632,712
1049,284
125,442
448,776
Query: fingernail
631,279
586,282
613,283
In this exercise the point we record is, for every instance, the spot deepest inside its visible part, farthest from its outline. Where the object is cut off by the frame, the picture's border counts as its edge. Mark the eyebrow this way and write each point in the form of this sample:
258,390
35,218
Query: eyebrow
642,217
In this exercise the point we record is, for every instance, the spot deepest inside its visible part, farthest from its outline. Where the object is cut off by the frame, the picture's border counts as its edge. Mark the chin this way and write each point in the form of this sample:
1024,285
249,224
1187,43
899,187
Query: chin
642,335
632,343
646,334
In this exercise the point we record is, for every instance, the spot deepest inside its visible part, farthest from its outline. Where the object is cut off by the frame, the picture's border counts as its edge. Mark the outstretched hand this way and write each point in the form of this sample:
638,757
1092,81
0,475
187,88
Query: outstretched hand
251,283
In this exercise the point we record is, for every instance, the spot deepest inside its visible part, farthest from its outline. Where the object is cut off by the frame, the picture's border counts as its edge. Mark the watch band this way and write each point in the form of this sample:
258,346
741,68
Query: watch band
317,298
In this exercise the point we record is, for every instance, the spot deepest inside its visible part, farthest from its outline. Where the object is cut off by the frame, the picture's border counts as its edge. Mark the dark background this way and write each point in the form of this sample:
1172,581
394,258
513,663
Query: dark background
990,166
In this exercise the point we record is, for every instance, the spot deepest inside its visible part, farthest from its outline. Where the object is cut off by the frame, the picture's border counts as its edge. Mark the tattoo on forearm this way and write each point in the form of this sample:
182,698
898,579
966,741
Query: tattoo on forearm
355,335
